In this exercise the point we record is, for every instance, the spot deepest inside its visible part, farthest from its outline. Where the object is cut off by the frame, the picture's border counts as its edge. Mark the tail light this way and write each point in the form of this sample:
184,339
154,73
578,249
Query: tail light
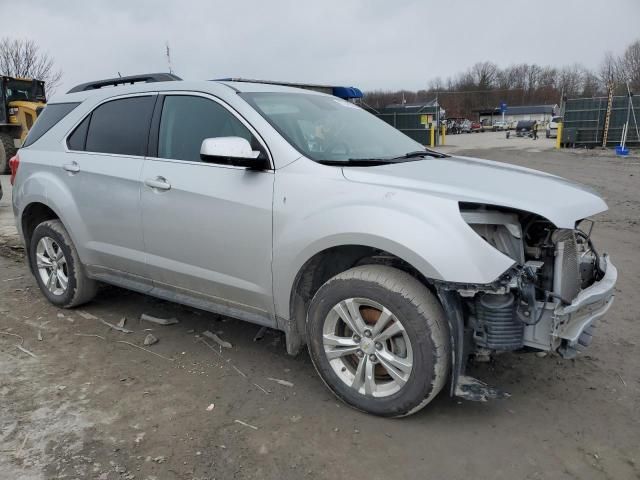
14,163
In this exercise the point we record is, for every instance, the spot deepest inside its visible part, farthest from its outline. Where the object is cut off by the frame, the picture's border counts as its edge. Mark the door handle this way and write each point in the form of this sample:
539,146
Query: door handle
158,183
72,167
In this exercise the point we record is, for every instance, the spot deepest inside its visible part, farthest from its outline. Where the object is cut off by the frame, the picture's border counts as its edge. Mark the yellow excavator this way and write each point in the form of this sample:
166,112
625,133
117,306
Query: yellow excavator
21,101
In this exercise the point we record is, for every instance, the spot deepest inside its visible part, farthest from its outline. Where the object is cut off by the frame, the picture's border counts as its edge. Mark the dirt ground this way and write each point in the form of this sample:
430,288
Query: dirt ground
87,405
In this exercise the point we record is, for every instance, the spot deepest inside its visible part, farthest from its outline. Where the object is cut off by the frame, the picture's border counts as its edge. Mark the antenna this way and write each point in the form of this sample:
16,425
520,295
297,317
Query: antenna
168,53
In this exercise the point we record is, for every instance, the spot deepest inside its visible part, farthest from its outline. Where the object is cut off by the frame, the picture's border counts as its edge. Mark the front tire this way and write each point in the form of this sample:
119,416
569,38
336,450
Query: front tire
7,150
57,267
378,339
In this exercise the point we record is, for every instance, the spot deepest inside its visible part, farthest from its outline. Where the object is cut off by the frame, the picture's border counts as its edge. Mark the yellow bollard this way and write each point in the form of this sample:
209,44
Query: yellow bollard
444,134
559,136
432,136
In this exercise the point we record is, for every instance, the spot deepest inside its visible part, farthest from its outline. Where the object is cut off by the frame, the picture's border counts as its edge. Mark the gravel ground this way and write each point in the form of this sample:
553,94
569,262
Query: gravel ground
87,405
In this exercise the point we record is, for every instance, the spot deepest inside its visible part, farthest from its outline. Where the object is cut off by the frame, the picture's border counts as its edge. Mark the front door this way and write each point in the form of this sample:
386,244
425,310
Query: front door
207,226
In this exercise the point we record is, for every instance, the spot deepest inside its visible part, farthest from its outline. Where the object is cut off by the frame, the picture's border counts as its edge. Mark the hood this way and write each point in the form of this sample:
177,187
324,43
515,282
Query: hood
466,179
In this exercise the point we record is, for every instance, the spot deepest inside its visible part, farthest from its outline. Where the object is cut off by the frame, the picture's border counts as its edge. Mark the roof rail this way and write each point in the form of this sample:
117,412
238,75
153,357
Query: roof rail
345,93
113,82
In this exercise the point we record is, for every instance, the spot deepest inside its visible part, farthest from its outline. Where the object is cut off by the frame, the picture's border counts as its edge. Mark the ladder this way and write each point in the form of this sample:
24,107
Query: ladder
607,117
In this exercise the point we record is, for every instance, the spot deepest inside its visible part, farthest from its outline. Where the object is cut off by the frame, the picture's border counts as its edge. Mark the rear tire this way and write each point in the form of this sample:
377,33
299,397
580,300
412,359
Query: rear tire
7,150
57,268
420,347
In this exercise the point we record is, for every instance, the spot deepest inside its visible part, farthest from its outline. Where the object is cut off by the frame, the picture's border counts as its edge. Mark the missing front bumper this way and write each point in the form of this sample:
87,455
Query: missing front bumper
562,326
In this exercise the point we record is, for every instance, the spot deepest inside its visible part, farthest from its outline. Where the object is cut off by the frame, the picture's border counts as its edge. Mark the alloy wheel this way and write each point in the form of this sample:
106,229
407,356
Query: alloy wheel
52,266
367,347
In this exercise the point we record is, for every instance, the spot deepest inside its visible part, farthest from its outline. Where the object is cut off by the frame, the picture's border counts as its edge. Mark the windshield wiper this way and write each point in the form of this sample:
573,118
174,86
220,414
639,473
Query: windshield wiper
422,153
358,162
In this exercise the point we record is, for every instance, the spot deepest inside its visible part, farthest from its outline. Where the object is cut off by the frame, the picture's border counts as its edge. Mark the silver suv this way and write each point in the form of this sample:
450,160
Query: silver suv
302,212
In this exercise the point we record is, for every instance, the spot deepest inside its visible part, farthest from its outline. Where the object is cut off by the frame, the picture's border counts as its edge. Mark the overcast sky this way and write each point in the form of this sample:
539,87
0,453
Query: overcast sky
370,44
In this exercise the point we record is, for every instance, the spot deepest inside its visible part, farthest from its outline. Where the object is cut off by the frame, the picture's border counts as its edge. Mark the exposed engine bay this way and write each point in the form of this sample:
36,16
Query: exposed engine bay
527,307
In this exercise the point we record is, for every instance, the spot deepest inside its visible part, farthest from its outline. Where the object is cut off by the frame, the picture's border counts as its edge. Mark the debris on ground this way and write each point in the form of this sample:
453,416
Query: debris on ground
40,335
24,442
89,335
22,349
115,327
622,379
150,339
246,424
160,459
145,350
159,321
239,371
122,321
19,346
12,279
217,339
263,389
281,382
85,315
210,407
260,334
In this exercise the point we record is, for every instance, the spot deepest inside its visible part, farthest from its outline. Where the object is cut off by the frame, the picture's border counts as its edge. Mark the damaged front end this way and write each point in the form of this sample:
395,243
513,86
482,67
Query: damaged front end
547,301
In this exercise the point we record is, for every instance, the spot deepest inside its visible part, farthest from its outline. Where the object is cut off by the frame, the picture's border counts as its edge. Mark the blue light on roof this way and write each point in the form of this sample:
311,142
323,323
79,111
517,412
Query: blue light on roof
347,92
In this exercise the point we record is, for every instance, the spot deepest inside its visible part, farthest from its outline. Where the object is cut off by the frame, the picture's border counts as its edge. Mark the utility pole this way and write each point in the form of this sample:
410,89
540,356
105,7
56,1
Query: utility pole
437,119
633,111
168,53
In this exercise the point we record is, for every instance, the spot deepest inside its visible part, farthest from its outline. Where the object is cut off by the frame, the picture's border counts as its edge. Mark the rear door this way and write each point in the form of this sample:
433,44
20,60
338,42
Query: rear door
102,170
207,226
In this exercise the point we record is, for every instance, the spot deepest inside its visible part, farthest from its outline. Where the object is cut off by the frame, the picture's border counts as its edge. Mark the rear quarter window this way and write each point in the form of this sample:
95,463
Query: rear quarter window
52,114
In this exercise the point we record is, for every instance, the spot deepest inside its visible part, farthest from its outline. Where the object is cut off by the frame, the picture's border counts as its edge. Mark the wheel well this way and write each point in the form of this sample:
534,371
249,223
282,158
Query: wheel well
327,264
34,215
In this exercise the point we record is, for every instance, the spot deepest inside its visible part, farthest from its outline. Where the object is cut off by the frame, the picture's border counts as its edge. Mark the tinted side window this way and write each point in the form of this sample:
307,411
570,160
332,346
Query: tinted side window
52,114
121,126
186,121
76,140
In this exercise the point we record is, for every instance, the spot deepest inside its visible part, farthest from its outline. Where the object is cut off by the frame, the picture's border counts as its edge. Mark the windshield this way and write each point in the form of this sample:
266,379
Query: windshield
24,90
329,129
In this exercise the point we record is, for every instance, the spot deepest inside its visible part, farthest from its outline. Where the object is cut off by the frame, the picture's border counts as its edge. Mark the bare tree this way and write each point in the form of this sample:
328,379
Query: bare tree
485,85
610,71
23,58
630,65
484,75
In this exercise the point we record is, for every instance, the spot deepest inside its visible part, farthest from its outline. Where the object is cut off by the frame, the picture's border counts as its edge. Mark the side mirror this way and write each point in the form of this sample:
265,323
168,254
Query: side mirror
231,151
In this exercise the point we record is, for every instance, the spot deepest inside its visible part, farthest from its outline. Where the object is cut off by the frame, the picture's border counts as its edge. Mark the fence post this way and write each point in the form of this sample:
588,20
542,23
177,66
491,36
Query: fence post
444,134
559,136
432,136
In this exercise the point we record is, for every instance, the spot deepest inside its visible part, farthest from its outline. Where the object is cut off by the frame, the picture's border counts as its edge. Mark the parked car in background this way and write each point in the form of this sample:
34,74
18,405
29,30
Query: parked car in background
465,126
524,128
476,127
512,124
552,127
302,212
500,126
486,125
452,127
